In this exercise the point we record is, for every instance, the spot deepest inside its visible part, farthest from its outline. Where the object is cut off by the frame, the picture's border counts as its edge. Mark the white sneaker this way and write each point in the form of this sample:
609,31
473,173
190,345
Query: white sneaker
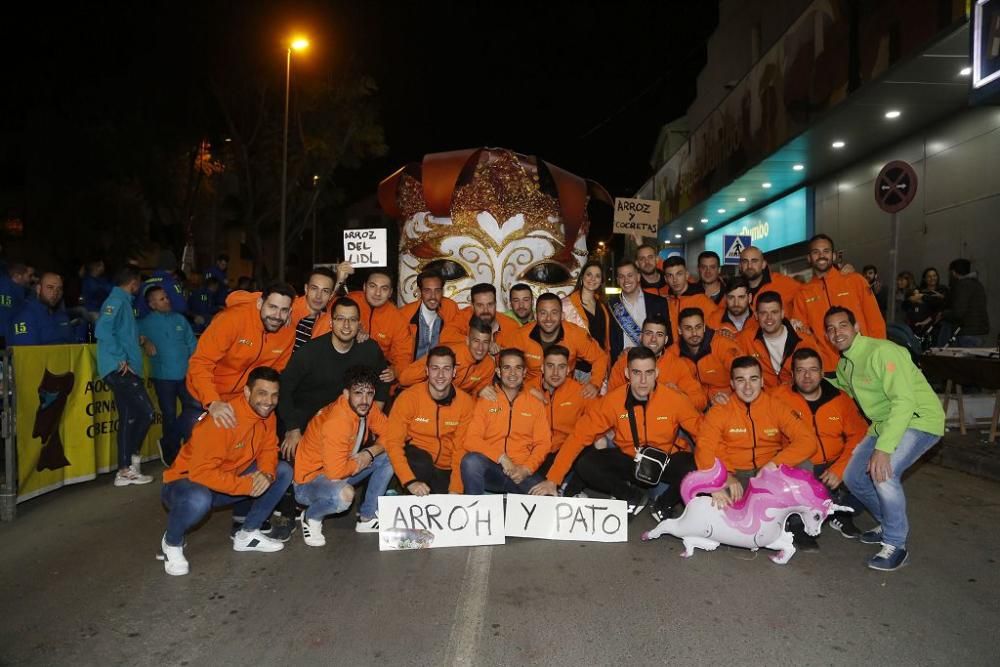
254,540
136,466
174,562
369,526
312,531
130,476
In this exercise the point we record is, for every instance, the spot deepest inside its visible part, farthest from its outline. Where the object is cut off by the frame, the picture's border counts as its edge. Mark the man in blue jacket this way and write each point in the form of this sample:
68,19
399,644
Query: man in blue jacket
165,276
94,289
204,304
14,285
43,321
119,363
169,343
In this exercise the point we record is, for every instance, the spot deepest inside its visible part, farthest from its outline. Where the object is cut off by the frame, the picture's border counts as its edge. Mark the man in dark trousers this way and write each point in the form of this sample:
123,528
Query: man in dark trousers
967,305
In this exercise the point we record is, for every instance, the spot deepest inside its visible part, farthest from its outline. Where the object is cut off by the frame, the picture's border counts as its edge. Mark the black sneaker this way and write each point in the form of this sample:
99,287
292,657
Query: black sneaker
804,542
661,511
843,523
636,502
280,528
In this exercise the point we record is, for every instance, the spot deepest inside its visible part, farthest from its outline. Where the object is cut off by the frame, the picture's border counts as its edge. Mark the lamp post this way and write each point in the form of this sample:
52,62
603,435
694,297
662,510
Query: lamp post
297,44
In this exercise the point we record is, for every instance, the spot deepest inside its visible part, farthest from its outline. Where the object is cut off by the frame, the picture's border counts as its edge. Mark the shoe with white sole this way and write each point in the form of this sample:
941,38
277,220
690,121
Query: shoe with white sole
312,531
369,526
254,540
129,476
174,562
136,466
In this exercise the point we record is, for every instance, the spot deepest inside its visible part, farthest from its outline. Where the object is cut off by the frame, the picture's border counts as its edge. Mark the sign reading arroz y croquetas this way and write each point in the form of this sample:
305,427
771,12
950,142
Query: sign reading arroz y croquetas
636,216
578,519
444,520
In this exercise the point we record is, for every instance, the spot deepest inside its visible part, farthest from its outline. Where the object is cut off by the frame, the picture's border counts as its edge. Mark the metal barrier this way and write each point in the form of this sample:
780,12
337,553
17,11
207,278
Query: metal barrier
8,432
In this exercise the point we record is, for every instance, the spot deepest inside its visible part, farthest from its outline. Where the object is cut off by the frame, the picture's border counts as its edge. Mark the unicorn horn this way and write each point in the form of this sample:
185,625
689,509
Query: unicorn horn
840,508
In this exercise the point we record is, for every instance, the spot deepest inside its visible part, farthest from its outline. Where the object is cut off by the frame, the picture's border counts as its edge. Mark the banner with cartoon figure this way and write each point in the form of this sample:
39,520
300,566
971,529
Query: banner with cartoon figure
66,419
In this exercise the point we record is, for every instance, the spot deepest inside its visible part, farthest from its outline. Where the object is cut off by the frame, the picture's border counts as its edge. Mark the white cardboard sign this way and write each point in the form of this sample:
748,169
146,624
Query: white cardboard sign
365,247
636,216
439,520
579,519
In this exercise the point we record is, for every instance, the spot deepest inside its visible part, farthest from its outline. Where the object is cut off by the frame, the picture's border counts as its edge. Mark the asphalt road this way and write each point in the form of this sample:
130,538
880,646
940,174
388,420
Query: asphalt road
79,585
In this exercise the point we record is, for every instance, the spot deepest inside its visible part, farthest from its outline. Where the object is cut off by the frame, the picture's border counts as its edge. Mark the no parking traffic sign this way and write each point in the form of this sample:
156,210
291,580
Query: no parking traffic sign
895,187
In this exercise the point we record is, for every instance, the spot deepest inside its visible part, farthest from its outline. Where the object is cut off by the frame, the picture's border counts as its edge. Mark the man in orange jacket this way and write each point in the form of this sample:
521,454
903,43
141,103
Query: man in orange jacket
670,369
829,287
427,424
734,314
754,268
684,294
427,317
642,414
563,399
706,354
484,306
220,466
474,367
336,454
240,338
775,341
839,427
751,431
508,438
549,329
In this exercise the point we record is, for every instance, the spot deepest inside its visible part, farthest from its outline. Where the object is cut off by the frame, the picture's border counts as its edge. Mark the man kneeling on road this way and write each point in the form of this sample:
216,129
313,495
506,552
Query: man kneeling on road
221,466
334,456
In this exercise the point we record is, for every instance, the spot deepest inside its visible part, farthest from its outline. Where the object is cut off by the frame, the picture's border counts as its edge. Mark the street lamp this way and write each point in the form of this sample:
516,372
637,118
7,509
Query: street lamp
296,44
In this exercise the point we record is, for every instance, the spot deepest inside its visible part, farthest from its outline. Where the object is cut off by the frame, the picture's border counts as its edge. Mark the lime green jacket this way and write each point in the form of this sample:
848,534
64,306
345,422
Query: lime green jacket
890,389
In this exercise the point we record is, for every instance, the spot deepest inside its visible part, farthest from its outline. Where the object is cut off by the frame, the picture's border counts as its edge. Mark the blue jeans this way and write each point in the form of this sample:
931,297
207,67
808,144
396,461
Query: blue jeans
886,501
322,494
189,502
481,474
135,413
175,431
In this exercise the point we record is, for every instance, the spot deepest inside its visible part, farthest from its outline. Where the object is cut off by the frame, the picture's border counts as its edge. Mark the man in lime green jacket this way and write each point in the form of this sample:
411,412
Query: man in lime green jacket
906,420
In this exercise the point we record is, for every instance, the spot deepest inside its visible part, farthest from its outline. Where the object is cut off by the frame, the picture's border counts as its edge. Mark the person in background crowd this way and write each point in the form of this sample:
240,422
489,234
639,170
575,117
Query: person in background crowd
204,304
709,271
776,340
906,420
522,303
870,272
337,454
166,277
755,269
14,285
683,294
631,308
43,320
430,314
169,342
908,310
737,315
932,293
94,289
235,465
119,364
652,279
967,311
427,424
220,272
586,308
244,283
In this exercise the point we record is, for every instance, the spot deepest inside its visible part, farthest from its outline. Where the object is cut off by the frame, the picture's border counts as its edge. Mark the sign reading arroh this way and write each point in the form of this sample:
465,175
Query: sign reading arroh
633,216
733,246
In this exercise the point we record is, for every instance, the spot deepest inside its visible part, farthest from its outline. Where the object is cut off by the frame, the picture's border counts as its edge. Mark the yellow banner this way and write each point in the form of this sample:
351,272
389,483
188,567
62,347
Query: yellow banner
67,422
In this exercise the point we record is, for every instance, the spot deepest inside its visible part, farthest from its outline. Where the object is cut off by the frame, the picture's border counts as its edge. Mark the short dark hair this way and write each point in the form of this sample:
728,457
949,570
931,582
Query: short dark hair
555,348
441,351
865,268
211,280
658,319
804,353
346,301
821,237
690,312
833,310
510,352
360,376
625,261
962,267
547,296
745,361
769,296
428,273
674,260
280,288
325,272
709,254
519,287
151,290
265,373
646,245
222,257
379,272
735,283
479,325
482,288
125,275
638,353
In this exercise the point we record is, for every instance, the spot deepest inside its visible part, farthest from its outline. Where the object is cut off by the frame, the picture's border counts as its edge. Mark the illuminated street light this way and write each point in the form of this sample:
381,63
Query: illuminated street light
296,44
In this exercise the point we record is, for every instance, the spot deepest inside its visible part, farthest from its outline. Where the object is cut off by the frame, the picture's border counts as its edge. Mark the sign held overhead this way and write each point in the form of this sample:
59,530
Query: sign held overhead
365,247
636,216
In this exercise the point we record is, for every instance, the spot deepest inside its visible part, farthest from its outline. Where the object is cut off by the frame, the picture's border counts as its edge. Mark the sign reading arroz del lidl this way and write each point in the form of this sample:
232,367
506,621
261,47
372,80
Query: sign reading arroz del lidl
439,520
636,216
782,223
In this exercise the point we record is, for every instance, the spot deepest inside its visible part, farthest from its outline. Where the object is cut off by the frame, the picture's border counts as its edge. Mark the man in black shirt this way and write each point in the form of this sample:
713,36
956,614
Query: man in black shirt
314,376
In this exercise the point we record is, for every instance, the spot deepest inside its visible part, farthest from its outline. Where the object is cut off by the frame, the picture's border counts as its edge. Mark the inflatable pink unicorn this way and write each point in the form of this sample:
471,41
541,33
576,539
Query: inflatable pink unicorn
757,519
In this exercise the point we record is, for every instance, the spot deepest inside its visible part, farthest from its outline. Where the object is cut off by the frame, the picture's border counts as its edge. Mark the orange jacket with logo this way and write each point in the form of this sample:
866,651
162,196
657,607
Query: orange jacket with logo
437,427
457,330
710,364
234,344
787,287
519,429
849,290
719,320
746,437
755,347
837,422
577,340
656,423
216,457
471,376
672,371
300,309
328,443
565,405
384,325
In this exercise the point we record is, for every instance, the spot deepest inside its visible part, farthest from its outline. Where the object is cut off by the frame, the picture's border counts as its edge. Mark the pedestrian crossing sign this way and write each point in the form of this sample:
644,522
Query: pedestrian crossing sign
732,247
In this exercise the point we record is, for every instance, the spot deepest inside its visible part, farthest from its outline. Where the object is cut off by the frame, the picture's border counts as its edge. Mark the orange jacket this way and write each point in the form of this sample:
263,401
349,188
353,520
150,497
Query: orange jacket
300,309
435,427
720,320
519,429
216,457
660,289
838,424
838,289
710,364
234,344
656,424
755,347
565,406
671,372
785,286
384,325
457,331
575,339
689,299
328,443
470,376
575,312
746,437
447,311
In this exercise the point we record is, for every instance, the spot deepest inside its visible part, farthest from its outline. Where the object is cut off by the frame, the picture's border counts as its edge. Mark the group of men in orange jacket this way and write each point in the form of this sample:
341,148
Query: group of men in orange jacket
483,403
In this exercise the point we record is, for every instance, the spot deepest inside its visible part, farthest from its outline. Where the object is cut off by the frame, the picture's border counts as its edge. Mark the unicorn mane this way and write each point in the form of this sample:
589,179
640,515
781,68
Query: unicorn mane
772,490
703,481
